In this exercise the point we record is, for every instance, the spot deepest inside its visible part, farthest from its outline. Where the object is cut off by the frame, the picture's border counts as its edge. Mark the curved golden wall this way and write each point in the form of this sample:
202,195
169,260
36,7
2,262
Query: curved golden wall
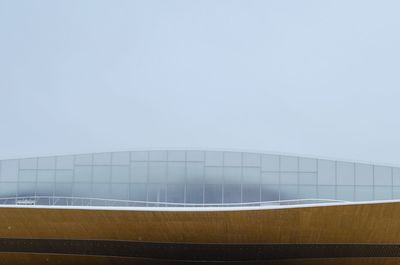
349,224
365,223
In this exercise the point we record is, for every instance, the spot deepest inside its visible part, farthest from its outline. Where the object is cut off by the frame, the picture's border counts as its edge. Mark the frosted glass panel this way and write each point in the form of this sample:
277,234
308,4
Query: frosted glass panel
175,193
176,172
83,159
212,193
139,156
45,189
47,163
28,175
289,192
138,192
9,170
364,193
232,159
8,189
120,158
120,191
195,156
64,176
251,193
307,164
364,175
63,190
82,190
396,193
269,193
345,173
65,162
345,193
120,174
232,175
307,192
156,193
176,156
270,163
28,163
327,192
289,163
100,190
195,172
101,174
139,172
158,155
382,176
213,175
382,193
214,158
83,173
194,193
26,189
102,159
251,175
289,178
396,176
326,172
232,193
251,160
270,177
46,175
157,172
306,178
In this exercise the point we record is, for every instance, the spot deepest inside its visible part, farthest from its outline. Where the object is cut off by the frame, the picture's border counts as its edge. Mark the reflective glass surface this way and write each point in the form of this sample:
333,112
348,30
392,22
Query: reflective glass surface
159,177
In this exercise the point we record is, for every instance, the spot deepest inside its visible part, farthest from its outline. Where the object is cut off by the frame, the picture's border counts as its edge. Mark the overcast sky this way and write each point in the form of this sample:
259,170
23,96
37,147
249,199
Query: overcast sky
320,78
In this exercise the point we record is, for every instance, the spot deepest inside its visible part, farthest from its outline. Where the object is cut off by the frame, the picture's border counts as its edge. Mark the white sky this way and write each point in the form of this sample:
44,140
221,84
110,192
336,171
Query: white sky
307,77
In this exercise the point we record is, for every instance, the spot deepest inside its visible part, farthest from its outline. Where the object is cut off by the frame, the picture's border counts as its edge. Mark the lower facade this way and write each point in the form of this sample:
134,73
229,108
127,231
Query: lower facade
197,206
367,233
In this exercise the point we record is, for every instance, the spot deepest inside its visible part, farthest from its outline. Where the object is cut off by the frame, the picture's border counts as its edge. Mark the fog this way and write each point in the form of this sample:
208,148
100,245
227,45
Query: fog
319,78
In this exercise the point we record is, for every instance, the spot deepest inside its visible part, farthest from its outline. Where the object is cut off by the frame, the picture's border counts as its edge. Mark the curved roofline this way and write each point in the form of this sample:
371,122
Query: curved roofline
197,209
254,151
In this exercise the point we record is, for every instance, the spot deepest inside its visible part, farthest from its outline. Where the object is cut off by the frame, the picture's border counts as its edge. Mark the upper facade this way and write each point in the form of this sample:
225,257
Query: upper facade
187,178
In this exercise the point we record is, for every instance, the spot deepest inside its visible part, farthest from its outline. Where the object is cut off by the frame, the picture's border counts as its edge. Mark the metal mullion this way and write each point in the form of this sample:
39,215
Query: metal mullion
147,177
204,177
91,178
18,180
391,172
279,177
260,179
373,182
298,177
166,183
185,181
317,177
354,181
73,180
36,175
130,177
223,178
241,178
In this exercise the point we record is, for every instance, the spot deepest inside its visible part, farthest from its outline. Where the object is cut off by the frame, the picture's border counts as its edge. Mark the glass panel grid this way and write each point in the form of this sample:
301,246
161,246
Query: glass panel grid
197,177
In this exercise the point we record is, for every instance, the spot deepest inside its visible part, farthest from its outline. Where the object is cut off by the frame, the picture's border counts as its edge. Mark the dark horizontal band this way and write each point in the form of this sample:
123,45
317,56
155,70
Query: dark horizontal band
198,252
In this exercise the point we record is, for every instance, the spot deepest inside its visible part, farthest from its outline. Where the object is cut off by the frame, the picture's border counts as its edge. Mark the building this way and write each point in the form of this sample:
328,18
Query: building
145,207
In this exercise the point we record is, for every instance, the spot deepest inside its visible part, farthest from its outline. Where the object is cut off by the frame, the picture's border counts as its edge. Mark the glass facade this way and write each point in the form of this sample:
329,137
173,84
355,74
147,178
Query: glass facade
188,178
